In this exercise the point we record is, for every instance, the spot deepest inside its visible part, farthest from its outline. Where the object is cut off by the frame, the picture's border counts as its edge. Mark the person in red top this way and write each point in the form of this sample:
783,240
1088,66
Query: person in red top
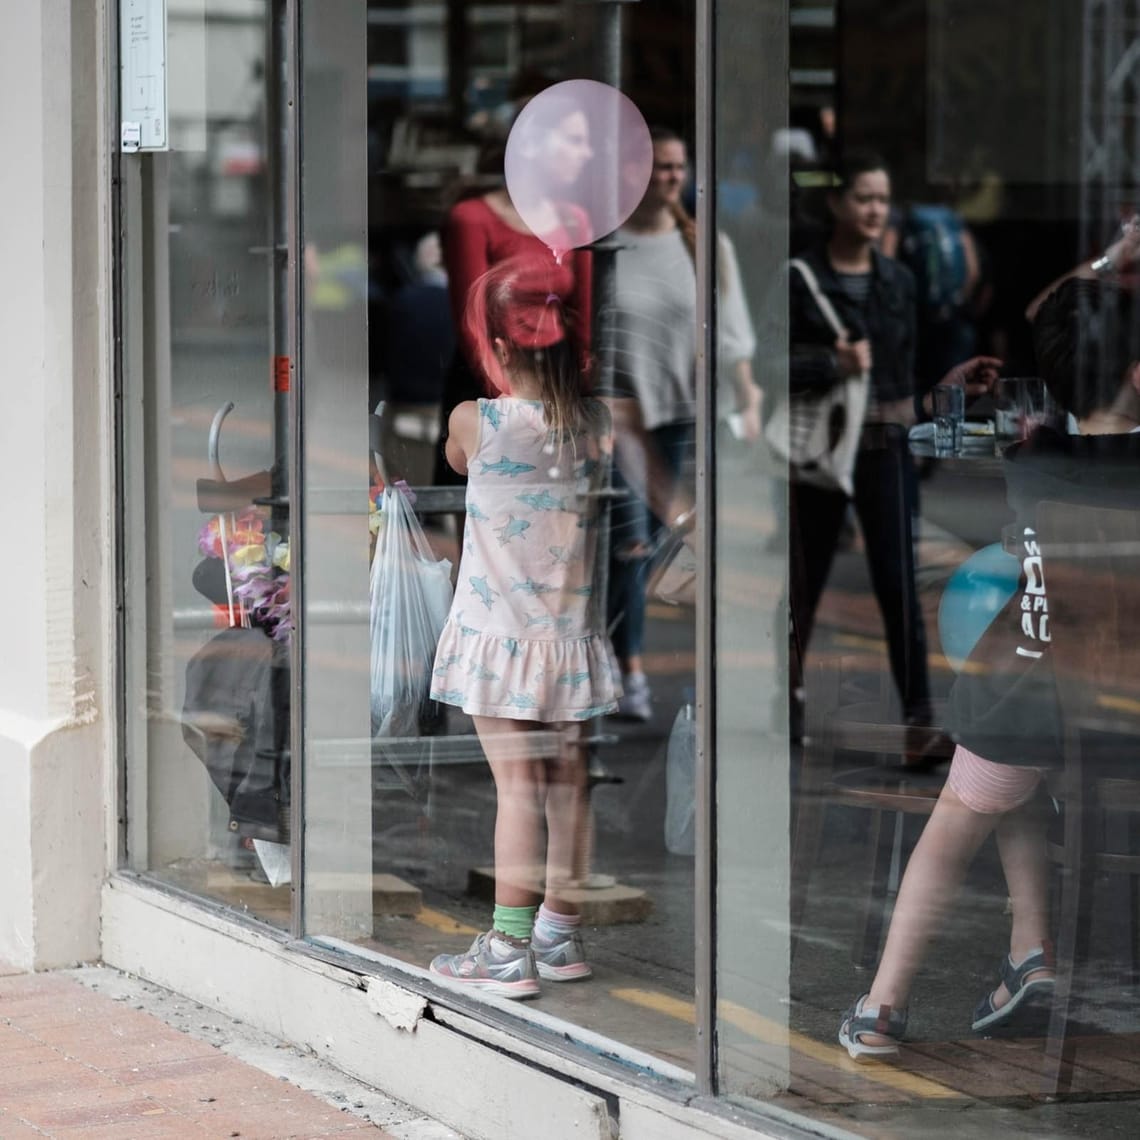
483,231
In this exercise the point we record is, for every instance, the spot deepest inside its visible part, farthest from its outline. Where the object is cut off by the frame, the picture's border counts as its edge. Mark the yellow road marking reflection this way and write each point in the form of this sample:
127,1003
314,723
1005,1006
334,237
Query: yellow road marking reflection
771,1033
444,923
1119,704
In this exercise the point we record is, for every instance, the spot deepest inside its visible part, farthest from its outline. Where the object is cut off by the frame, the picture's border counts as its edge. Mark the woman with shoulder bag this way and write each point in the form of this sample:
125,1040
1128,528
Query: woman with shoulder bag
852,336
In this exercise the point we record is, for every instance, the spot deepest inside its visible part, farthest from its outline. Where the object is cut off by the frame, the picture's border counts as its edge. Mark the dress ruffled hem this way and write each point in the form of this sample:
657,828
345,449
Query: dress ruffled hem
542,716
551,681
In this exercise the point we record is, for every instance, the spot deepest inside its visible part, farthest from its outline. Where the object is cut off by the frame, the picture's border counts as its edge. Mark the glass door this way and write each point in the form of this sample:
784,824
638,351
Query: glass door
206,529
407,110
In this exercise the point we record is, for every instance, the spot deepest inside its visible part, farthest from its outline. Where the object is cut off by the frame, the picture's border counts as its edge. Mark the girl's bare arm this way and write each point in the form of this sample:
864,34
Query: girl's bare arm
462,435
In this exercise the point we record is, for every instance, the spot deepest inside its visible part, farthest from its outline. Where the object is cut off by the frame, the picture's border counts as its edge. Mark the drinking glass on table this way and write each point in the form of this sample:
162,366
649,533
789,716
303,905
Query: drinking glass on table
949,401
1021,405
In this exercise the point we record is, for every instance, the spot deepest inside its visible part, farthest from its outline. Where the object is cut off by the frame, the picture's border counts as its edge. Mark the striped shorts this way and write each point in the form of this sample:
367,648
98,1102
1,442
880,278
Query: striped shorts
989,788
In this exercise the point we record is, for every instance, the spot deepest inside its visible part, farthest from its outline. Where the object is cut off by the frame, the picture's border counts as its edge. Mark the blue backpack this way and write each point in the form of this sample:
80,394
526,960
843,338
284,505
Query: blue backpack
932,246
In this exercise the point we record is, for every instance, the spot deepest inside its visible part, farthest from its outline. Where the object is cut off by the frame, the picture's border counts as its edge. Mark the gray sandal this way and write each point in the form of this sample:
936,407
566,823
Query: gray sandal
881,1020
1021,992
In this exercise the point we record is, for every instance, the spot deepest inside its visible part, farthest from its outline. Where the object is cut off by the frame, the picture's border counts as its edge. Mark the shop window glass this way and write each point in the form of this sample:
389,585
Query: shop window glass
399,832
960,615
206,553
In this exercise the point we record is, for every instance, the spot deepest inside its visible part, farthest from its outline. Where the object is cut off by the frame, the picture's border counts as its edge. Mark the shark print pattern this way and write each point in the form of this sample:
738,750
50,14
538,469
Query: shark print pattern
531,588
524,639
592,713
444,666
464,630
483,591
562,623
509,468
512,528
542,501
574,679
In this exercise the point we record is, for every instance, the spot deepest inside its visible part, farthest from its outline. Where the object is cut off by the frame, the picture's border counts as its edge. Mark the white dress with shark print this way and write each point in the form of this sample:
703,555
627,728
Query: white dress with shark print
524,636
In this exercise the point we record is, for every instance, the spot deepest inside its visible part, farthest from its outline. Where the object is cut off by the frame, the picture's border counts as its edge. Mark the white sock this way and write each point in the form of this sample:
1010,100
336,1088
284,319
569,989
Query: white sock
550,926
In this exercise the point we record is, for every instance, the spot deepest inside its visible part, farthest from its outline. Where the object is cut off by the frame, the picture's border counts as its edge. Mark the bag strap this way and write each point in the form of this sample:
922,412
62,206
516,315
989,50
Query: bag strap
825,306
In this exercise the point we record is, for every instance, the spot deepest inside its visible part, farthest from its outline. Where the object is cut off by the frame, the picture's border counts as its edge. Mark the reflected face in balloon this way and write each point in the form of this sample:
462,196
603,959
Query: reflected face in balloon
566,149
670,166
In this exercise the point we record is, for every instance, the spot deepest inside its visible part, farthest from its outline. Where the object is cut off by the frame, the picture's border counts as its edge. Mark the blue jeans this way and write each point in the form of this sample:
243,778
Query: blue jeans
633,528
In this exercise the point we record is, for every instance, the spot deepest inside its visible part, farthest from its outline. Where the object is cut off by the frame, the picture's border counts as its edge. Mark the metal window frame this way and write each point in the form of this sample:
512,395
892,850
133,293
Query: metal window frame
292,165
705,880
117,471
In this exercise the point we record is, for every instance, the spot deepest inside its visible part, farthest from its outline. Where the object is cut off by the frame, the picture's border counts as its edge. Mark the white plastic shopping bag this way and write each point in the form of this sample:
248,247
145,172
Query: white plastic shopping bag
411,596
681,785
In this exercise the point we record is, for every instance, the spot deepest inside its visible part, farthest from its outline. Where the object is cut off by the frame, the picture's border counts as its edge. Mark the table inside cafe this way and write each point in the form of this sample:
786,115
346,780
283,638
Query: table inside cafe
977,444
1017,405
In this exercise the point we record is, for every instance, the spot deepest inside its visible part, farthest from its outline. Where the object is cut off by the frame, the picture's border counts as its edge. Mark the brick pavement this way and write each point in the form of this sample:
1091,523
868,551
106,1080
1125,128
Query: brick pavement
76,1064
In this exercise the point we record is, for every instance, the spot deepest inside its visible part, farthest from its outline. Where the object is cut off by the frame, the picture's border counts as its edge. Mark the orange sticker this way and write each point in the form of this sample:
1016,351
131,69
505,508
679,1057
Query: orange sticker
281,374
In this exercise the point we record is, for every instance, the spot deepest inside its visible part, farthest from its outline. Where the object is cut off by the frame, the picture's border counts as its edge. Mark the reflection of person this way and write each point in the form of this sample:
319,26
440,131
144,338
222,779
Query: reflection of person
654,329
483,231
1003,712
934,242
412,342
523,647
874,299
417,334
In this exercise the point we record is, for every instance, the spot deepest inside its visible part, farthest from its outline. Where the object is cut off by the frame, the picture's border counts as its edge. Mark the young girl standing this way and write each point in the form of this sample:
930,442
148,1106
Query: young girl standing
522,650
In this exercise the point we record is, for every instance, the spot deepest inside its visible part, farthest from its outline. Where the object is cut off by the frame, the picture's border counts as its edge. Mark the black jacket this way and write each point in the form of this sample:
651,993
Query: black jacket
235,718
1004,705
888,321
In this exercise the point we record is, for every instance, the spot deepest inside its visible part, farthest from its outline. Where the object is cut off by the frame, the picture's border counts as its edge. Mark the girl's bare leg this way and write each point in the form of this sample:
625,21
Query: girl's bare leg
948,844
1024,861
934,872
566,807
520,786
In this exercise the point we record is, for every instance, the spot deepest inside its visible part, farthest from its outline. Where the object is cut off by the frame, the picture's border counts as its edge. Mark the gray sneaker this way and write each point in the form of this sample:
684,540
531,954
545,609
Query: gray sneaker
636,701
495,963
563,960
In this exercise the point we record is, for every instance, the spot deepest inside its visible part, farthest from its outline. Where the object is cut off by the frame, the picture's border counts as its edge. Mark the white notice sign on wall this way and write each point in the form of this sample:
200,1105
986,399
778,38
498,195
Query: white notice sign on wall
142,69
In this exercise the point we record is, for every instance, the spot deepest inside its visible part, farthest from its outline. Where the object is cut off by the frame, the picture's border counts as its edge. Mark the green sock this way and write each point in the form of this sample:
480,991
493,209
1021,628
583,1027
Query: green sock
517,921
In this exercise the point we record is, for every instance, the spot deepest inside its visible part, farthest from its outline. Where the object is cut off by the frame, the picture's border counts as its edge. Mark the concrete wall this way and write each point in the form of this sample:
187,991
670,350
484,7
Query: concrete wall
54,400
399,1041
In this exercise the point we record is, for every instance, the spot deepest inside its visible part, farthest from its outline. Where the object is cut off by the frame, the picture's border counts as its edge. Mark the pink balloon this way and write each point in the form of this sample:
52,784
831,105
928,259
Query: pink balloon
578,160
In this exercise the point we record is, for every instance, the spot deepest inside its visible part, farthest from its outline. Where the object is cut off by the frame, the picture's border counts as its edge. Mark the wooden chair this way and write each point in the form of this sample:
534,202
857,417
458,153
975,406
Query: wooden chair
1092,574
846,718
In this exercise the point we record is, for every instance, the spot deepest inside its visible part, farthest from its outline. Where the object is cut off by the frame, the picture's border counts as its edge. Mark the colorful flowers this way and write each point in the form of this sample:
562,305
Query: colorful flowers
375,497
258,568
258,562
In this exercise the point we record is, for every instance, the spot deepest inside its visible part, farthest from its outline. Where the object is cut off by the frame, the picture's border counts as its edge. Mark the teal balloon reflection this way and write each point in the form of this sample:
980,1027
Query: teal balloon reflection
973,597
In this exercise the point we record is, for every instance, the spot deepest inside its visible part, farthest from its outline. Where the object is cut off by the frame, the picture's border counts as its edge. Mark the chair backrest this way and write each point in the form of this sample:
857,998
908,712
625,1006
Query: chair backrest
1091,561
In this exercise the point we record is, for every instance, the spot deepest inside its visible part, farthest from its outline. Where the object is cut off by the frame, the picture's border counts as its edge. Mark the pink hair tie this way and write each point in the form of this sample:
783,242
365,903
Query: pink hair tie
553,299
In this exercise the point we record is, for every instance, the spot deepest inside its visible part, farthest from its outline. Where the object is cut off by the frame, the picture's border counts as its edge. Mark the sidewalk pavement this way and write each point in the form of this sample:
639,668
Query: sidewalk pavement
82,1056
